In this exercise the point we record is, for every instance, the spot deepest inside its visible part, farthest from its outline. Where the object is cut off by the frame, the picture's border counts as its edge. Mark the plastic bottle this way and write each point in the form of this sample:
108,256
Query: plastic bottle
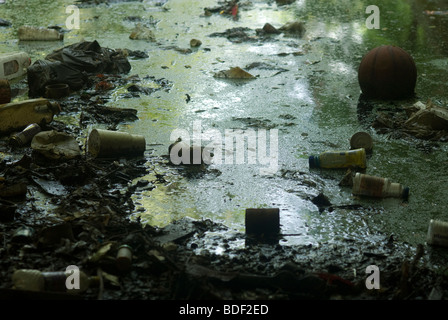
437,233
17,115
29,33
339,159
55,281
124,258
371,186
13,64
25,136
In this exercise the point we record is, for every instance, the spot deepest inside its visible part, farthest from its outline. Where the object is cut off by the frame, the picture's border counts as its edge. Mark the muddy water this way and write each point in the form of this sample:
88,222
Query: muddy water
305,89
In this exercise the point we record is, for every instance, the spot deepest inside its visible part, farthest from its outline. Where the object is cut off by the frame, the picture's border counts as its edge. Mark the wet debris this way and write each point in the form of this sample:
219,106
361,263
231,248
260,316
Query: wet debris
142,32
419,120
294,28
234,73
236,35
194,43
73,64
227,8
245,34
268,29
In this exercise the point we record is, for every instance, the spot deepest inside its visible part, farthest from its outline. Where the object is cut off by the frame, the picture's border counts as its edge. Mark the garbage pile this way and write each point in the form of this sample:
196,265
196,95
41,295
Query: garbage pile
419,120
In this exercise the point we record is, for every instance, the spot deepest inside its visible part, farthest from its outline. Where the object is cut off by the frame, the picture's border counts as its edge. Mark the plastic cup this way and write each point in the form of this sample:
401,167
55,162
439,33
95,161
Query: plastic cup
112,144
56,91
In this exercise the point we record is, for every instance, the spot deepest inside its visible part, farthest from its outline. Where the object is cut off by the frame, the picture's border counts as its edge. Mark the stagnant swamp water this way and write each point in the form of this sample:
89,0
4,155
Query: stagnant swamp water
306,90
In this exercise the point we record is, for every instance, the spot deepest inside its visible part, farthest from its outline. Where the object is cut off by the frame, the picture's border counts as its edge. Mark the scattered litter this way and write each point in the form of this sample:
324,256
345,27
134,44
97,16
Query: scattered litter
13,64
437,233
194,43
378,187
56,145
295,28
112,144
71,64
339,159
234,73
29,33
18,115
361,140
141,32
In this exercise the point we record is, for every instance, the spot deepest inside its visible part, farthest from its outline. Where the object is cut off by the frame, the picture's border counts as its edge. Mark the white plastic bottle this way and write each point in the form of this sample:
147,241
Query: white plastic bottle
36,280
17,115
13,64
29,33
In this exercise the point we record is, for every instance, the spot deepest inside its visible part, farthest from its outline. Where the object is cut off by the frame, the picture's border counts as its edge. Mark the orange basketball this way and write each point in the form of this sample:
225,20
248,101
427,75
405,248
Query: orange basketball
387,72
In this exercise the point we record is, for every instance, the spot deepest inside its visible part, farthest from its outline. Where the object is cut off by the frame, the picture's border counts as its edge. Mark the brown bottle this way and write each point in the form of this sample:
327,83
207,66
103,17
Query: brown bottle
17,115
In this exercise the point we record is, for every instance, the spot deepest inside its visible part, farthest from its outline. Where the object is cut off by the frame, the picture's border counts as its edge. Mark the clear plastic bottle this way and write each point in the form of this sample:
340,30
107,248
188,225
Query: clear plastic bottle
437,233
29,33
17,115
377,187
55,281
339,159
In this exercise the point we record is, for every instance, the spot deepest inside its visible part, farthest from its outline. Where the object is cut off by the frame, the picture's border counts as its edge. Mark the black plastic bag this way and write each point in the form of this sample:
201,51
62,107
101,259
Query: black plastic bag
72,65
42,73
92,58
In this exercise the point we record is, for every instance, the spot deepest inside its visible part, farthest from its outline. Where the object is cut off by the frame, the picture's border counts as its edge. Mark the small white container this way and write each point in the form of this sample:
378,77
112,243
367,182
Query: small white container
437,233
13,64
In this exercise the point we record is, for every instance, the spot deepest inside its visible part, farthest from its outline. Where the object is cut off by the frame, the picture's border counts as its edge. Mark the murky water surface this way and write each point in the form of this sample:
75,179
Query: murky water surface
306,88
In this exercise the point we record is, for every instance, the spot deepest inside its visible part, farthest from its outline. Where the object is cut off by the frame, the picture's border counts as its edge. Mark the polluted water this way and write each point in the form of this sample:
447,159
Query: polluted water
255,71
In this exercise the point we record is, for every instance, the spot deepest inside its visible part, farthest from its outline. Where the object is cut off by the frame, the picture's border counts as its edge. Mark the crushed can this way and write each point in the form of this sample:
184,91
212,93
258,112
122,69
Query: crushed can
25,136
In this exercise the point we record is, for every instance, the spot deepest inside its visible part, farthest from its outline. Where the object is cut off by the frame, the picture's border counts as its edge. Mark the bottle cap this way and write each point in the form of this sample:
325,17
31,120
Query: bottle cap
405,193
314,161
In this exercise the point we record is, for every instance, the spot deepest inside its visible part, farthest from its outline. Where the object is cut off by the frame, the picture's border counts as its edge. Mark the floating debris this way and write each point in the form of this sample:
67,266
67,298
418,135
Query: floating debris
234,73
141,32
